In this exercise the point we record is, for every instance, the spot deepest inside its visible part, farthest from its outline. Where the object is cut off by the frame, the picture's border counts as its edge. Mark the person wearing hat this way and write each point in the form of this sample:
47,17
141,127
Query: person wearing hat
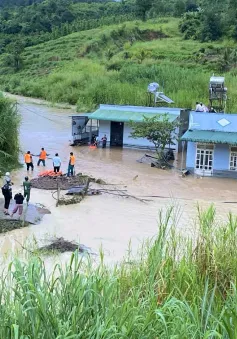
27,188
7,193
7,178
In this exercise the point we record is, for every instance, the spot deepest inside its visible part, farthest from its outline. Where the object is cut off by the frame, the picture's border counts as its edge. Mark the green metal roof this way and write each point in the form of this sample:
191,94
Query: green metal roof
125,116
212,137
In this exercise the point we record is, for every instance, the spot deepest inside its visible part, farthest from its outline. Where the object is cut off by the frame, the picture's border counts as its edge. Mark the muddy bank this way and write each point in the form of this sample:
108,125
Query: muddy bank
10,225
32,214
63,182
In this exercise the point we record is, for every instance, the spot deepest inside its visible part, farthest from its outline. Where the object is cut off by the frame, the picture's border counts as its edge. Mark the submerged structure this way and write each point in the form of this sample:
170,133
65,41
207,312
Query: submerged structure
212,144
113,120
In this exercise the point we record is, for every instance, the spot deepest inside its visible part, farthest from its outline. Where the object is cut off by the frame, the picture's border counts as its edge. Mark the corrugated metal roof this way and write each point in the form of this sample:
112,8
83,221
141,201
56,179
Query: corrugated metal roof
160,110
125,116
213,137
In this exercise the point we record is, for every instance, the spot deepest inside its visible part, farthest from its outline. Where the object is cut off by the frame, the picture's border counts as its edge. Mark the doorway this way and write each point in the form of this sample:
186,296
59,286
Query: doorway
204,160
116,133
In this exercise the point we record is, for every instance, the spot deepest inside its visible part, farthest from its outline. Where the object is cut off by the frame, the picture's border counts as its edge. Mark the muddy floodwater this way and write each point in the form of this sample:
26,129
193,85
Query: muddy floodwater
108,221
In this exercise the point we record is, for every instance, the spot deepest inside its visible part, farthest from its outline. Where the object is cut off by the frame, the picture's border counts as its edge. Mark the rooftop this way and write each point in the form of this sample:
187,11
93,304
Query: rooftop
212,137
134,113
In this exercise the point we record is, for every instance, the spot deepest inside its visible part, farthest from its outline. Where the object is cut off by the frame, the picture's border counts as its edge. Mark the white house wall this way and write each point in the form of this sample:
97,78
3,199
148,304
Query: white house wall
104,128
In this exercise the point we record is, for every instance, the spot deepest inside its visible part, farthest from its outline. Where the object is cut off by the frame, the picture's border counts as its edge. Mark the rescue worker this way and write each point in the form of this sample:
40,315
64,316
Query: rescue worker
104,141
71,165
27,188
19,204
29,161
42,157
7,193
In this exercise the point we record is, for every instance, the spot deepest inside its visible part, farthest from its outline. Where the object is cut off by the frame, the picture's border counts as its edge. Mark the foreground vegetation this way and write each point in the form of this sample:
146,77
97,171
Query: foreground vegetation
9,146
177,288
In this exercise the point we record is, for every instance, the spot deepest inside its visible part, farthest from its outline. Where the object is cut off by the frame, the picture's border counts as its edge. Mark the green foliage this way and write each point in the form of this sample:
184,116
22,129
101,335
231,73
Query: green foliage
143,7
176,287
114,65
159,130
9,146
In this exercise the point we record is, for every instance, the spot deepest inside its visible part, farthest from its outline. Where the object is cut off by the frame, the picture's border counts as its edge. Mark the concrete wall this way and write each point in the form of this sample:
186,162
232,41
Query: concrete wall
221,157
191,155
104,128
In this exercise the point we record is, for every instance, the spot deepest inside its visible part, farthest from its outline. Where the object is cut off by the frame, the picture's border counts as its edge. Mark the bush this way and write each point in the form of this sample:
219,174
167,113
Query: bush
9,143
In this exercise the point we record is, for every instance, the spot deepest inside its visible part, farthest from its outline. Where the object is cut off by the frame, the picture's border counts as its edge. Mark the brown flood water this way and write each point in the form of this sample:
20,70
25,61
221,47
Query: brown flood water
107,220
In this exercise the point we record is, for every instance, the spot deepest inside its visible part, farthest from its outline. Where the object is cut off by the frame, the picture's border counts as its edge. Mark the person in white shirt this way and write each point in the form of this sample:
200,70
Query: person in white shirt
56,163
198,107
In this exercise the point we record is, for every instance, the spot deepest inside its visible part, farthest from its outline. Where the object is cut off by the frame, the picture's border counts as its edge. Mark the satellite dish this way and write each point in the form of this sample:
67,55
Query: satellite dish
153,87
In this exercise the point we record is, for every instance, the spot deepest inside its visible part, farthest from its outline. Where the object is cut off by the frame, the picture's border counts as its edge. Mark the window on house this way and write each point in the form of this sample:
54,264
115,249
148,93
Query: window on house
204,157
233,159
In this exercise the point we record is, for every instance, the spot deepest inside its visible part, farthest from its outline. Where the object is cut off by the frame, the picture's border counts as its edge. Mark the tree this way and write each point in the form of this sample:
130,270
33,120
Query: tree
211,29
14,57
159,130
143,6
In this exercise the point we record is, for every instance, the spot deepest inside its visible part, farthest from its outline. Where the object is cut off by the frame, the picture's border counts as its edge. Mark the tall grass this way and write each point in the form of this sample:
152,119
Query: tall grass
176,288
114,65
9,142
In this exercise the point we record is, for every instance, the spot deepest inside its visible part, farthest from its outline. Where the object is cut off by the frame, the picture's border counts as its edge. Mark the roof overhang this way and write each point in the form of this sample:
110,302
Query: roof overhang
126,116
211,137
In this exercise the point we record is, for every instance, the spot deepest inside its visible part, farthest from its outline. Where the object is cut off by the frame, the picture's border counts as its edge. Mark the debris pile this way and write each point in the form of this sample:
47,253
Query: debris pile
61,245
64,182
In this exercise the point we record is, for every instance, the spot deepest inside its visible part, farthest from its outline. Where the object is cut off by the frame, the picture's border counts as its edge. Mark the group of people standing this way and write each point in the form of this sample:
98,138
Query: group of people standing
19,198
56,161
95,141
200,107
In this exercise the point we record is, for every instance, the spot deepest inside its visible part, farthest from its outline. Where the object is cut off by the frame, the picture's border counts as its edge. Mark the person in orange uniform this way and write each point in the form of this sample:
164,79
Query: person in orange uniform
71,165
42,157
29,161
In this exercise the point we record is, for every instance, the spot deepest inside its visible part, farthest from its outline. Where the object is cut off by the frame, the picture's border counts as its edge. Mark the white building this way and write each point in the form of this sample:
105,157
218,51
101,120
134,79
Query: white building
114,122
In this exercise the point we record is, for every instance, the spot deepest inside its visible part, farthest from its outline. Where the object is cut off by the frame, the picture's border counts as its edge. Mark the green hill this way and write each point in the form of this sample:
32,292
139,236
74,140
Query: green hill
114,64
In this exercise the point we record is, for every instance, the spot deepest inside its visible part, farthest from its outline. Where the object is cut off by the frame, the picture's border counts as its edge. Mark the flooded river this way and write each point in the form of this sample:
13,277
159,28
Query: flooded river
106,220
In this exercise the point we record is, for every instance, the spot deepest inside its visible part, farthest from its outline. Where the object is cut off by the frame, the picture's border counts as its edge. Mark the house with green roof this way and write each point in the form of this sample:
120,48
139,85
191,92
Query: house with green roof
212,144
113,121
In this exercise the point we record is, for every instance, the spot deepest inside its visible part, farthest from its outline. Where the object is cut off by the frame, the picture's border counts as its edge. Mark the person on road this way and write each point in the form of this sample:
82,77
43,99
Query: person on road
7,193
104,141
71,165
42,157
19,204
56,163
27,188
29,161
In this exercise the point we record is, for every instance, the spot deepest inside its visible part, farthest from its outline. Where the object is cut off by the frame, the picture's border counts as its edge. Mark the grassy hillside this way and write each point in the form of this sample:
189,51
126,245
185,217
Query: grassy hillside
114,64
